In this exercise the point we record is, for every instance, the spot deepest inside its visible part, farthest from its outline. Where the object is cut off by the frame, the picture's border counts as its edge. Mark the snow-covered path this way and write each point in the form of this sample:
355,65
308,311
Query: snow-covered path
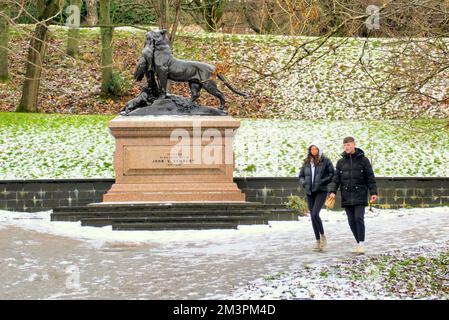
42,259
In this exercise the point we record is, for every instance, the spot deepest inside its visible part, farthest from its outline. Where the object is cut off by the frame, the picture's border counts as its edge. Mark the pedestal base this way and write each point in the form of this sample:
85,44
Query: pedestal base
174,159
172,192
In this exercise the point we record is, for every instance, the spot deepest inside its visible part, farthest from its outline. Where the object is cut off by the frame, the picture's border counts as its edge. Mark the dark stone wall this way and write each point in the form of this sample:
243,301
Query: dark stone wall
401,192
39,195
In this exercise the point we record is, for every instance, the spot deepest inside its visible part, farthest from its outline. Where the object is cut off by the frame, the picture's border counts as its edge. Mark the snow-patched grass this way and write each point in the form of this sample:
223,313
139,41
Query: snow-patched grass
395,148
54,146
80,146
415,273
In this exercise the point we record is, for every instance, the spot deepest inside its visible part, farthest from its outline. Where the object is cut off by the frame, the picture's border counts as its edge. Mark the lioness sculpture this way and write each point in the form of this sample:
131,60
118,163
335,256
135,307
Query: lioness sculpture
157,58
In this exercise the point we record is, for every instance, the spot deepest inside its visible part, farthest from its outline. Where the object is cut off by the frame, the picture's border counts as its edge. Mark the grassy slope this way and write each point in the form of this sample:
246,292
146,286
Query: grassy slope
318,88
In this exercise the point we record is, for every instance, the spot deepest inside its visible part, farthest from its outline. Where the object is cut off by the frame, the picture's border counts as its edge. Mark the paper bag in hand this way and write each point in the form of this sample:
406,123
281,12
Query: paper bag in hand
330,202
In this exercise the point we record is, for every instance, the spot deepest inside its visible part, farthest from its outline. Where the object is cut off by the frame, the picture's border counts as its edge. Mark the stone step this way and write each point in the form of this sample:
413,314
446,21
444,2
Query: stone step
75,216
174,226
99,207
281,210
101,222
156,211
154,215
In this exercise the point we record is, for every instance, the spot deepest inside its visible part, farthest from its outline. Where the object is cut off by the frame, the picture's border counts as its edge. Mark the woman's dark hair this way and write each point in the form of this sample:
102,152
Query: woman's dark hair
309,157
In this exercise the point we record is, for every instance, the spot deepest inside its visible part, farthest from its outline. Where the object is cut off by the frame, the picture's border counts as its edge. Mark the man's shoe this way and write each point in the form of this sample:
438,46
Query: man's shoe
360,250
355,250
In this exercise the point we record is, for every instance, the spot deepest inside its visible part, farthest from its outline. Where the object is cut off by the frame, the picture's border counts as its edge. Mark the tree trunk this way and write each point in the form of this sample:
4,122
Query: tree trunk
36,55
249,17
106,45
209,12
4,37
172,37
163,14
74,32
268,22
175,24
92,12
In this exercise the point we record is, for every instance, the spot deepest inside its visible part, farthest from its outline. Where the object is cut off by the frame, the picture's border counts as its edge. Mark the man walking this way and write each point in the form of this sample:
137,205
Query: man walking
355,177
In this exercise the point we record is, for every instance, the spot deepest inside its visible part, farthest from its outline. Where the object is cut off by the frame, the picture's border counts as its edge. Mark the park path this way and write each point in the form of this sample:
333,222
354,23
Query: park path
38,264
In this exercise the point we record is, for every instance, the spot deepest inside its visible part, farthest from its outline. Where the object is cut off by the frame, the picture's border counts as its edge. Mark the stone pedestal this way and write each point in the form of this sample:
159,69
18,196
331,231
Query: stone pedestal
174,159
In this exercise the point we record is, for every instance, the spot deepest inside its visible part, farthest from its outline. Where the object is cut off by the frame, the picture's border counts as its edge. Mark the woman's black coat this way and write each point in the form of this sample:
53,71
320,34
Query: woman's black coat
324,172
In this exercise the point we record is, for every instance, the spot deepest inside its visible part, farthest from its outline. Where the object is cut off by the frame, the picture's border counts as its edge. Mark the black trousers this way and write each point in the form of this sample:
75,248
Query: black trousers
315,202
356,219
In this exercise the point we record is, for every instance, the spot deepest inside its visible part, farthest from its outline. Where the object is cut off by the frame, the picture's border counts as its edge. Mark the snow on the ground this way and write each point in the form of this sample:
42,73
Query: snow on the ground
40,222
195,264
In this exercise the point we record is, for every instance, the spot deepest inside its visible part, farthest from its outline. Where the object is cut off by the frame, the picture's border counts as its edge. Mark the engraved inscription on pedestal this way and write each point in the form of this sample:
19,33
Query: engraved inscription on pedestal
159,160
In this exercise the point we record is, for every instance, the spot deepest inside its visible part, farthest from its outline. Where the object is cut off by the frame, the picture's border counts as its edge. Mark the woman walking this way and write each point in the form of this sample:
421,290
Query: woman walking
315,174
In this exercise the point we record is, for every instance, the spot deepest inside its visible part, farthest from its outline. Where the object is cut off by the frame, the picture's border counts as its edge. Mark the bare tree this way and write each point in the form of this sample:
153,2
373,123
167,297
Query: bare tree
163,11
92,12
416,65
36,54
168,13
260,15
4,39
206,13
106,44
415,59
174,26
